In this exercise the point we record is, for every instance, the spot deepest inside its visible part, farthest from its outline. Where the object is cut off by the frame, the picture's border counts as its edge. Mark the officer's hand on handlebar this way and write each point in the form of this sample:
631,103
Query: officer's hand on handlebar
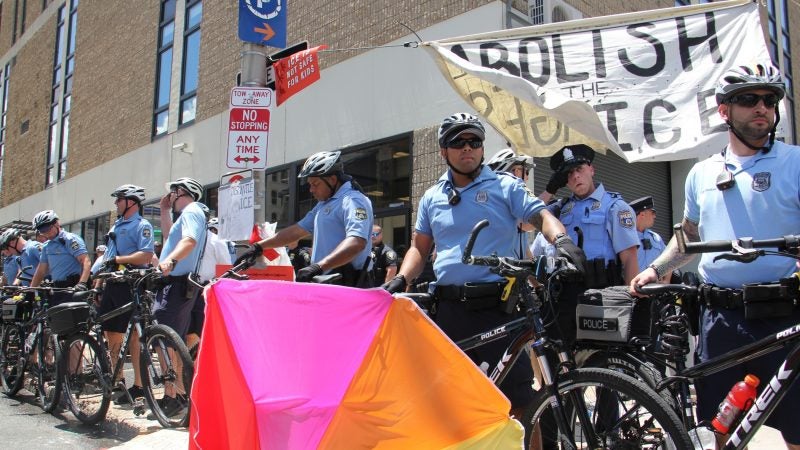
572,252
253,252
80,287
307,273
110,264
557,181
395,285
647,276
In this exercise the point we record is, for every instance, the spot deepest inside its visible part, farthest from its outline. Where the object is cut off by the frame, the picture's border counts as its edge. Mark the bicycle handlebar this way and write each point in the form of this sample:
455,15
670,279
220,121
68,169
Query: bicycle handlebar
741,245
652,289
530,267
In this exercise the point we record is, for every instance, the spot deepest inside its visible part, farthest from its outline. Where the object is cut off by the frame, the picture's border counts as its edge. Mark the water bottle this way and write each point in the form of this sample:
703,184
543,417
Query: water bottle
740,397
29,342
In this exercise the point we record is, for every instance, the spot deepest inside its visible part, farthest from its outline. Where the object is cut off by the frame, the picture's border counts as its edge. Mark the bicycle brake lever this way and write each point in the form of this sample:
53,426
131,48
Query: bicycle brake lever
747,257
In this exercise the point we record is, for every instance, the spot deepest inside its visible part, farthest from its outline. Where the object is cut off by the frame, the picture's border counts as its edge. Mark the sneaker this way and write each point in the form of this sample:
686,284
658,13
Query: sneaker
171,406
134,391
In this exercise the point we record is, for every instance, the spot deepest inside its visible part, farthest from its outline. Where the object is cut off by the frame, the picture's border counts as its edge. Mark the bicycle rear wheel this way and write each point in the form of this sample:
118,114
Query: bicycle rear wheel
167,371
86,378
605,409
12,361
48,371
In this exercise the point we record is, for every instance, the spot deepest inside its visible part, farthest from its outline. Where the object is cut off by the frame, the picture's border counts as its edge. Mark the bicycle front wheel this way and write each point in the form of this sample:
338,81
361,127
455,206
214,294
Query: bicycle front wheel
48,371
604,409
167,371
12,360
86,375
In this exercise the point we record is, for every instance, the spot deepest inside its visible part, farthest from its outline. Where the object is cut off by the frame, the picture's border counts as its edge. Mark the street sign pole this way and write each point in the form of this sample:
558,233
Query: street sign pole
254,74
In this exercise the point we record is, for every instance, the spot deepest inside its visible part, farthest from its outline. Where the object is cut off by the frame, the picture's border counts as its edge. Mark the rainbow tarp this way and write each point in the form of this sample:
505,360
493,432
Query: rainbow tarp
304,366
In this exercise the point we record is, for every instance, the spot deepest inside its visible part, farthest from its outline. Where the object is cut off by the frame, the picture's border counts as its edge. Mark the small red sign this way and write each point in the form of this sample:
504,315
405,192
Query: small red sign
296,72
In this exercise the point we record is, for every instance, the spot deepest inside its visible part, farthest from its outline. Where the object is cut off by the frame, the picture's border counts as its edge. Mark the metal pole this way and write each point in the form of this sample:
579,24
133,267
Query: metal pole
254,74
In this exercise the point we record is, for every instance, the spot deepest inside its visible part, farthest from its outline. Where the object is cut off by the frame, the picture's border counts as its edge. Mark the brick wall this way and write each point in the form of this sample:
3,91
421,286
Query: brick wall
428,166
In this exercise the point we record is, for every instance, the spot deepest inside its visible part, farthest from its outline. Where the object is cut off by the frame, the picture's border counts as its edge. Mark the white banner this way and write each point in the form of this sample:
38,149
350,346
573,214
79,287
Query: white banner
235,213
640,84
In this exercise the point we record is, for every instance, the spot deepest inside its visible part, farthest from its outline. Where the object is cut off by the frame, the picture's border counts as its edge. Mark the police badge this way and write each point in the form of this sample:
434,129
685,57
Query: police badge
761,181
482,197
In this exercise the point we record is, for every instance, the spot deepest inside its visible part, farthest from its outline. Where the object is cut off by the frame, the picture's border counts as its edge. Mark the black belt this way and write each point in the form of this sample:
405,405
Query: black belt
70,281
455,292
725,298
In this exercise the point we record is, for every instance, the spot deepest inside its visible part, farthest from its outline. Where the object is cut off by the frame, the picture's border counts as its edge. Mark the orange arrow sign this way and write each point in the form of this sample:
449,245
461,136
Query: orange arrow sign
266,31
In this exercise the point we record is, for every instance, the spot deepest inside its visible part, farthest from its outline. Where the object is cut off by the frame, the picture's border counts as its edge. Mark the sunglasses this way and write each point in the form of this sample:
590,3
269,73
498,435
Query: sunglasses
459,143
45,228
751,100
374,234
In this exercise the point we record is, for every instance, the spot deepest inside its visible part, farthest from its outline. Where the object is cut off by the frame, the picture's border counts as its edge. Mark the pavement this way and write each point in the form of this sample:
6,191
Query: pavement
146,434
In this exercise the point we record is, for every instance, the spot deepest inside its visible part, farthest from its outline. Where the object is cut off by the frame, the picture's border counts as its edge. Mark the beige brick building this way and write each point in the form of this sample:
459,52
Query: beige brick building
89,105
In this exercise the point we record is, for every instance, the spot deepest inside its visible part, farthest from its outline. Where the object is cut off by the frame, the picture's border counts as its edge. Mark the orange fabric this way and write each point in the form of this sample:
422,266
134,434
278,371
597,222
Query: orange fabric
416,389
219,390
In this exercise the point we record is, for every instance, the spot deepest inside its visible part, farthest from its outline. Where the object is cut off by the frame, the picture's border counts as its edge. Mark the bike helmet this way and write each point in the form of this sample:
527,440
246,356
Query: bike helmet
761,75
205,209
505,159
322,164
101,248
213,222
459,123
7,236
129,191
189,185
44,218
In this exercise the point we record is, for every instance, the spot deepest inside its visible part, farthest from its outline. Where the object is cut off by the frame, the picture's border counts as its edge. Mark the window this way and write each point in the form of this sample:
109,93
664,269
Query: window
781,53
3,117
166,34
191,61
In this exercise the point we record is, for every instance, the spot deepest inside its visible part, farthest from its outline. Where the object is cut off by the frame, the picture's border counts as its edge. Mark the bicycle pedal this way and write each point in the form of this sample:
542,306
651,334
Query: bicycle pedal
138,406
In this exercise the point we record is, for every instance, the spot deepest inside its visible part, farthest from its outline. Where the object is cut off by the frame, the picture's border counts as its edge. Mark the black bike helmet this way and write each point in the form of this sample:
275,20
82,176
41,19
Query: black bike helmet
322,164
460,123
7,236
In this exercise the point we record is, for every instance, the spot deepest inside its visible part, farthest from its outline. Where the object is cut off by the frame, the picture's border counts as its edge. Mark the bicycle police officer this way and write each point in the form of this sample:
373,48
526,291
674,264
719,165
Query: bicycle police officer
749,189
341,222
26,255
64,257
384,258
466,193
650,243
130,243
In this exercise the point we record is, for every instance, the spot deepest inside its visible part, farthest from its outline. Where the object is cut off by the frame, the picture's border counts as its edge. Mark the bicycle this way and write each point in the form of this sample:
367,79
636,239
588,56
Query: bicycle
29,345
165,363
743,250
643,419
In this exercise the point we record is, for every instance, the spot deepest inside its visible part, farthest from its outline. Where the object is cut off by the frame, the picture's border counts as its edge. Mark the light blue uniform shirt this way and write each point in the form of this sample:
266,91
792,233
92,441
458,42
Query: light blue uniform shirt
763,204
499,198
607,222
191,223
29,260
132,235
59,254
10,268
645,257
347,213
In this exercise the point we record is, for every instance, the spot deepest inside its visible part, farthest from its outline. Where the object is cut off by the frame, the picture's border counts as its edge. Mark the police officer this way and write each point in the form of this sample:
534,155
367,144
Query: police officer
64,257
464,195
520,166
650,243
213,227
130,243
26,255
341,222
98,263
384,258
10,268
748,189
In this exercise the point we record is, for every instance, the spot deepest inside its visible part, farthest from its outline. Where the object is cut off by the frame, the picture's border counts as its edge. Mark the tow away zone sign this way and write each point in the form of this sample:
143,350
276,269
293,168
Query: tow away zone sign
248,127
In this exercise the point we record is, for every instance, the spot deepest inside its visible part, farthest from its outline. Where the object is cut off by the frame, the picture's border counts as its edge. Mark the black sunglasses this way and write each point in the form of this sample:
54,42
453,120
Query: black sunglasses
459,143
751,100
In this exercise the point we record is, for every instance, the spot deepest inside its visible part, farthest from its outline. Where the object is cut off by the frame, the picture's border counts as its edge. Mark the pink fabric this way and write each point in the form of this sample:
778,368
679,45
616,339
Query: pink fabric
298,350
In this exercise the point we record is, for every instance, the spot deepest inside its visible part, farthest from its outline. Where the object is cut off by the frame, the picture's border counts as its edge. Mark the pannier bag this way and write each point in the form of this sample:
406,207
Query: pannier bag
611,314
16,309
68,318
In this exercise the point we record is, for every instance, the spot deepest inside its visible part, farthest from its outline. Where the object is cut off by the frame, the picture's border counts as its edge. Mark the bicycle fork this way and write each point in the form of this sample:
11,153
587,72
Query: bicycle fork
550,385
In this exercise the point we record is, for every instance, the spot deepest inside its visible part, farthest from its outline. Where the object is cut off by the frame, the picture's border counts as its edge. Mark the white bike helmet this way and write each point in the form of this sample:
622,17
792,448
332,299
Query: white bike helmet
7,236
322,164
43,218
189,185
761,75
505,159
213,223
460,123
129,191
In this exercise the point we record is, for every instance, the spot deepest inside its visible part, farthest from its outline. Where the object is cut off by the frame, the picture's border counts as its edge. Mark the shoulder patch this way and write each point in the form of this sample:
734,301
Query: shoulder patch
360,214
146,232
625,218
74,245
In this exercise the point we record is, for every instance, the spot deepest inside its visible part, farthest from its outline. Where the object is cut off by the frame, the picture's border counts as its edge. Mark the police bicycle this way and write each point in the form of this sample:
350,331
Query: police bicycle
164,360
569,396
742,250
30,350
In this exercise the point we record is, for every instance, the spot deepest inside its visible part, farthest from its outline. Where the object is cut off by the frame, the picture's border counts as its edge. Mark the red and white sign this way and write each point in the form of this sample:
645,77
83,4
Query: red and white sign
296,72
248,127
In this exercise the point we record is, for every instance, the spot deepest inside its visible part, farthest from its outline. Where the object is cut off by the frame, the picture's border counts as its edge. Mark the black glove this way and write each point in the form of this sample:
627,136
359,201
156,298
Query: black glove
253,252
557,181
396,284
80,287
572,252
307,273
110,264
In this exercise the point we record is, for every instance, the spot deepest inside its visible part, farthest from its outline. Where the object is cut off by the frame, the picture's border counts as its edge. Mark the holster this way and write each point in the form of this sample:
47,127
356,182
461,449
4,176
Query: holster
764,301
600,275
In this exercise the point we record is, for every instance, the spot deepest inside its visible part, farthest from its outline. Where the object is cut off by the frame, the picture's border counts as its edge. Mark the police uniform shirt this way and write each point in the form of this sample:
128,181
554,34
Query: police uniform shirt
763,204
60,255
10,268
607,222
29,260
97,265
192,224
348,213
131,235
500,198
383,257
646,256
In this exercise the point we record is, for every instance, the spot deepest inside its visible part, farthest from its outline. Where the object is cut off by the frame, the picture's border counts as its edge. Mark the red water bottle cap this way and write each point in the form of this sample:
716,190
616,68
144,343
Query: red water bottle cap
752,380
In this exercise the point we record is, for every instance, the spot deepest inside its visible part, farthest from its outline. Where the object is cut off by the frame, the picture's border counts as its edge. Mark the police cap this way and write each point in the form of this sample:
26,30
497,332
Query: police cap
640,204
571,156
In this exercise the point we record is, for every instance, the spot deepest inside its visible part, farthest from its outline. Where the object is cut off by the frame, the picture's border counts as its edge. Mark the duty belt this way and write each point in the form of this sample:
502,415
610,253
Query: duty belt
716,297
454,292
